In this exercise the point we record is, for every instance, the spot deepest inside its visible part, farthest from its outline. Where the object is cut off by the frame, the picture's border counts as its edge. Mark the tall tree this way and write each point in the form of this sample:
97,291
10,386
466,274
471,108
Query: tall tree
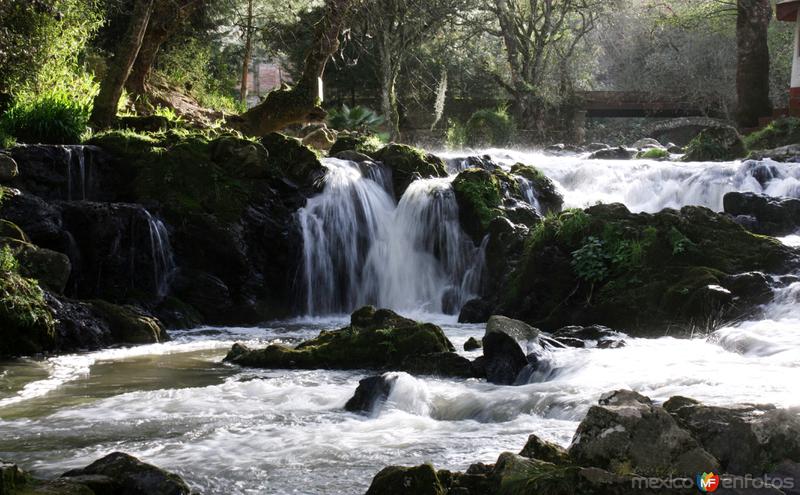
248,50
168,16
399,27
301,102
538,35
119,67
752,61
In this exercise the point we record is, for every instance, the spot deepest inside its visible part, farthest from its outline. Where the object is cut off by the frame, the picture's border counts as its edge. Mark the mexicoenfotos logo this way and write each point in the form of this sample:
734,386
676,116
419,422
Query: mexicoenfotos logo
708,482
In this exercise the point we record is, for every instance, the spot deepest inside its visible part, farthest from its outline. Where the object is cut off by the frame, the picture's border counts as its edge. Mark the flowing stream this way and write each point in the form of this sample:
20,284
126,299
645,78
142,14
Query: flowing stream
228,430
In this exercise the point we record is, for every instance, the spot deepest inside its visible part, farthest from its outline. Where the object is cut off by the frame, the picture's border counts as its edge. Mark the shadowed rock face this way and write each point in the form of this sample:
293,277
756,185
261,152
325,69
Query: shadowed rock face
371,391
764,214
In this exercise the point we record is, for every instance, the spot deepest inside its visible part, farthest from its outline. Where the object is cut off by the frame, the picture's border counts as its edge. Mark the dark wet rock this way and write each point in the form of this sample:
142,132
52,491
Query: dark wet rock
365,144
503,358
618,153
444,364
550,200
302,165
12,231
131,325
590,336
204,291
750,289
475,311
376,339
130,476
786,154
747,439
516,329
626,431
715,144
484,162
408,164
472,344
536,448
11,478
353,156
321,138
370,392
50,268
773,216
242,157
397,480
680,278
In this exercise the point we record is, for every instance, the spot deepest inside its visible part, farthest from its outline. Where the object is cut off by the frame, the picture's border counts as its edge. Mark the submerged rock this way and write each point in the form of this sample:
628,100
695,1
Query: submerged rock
397,480
370,392
618,153
591,336
773,216
472,344
375,339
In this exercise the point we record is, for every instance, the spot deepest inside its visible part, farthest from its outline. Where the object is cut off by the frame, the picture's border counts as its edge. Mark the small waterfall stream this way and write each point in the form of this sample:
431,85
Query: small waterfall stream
76,176
362,248
161,254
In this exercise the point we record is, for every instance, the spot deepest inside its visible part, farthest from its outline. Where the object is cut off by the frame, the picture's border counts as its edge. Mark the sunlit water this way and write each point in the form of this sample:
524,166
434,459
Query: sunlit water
233,431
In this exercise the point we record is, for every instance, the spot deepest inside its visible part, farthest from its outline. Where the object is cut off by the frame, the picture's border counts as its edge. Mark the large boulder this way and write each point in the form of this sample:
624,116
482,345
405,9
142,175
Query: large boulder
543,188
408,164
639,273
27,325
503,358
626,432
127,475
375,339
364,144
52,269
773,216
536,448
297,161
131,325
747,439
516,329
715,144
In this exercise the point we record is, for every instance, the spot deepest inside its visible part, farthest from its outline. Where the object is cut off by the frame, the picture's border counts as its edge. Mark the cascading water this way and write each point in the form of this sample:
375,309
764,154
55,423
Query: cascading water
161,254
76,176
361,248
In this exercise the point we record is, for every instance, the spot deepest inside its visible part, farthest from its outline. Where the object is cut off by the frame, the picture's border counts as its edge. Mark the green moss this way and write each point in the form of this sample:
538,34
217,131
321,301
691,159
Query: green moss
129,325
367,144
26,322
408,164
653,154
715,144
781,132
479,196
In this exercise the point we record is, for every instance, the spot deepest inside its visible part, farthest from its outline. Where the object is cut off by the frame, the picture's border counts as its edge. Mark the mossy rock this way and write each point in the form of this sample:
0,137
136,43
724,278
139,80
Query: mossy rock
399,480
408,164
50,268
653,154
715,144
295,160
27,325
376,339
646,273
130,325
367,144
547,194
778,133
480,198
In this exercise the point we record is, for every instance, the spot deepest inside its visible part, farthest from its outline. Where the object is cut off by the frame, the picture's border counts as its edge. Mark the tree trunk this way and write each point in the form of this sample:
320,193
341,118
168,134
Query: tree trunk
105,103
301,103
248,52
167,17
752,67
389,73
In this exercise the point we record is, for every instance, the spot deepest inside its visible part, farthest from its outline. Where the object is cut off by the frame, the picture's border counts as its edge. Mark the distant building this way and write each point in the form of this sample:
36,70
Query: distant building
265,75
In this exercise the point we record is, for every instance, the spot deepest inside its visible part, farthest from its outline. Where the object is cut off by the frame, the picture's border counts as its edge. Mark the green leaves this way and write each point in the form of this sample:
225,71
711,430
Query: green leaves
357,118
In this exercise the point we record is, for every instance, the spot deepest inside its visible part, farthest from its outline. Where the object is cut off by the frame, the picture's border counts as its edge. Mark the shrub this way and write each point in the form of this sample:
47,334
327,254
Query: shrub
489,128
357,118
653,154
778,133
52,118
456,136
715,144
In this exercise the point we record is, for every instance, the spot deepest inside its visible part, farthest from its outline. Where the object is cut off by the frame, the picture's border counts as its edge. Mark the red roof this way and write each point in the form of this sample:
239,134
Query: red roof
786,10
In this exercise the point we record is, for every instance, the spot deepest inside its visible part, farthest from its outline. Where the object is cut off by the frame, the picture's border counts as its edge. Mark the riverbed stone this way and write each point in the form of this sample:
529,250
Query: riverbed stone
131,325
626,432
618,153
472,344
376,339
132,477
774,215
503,358
408,164
536,448
370,392
398,480
516,329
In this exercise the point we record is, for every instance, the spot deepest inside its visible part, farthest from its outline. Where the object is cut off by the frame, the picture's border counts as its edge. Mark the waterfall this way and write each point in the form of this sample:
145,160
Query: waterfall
529,193
76,191
359,247
161,255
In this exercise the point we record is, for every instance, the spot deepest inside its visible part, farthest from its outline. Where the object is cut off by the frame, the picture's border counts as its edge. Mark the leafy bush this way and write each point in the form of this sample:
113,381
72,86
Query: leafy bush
778,133
653,154
489,128
456,136
52,118
590,261
357,118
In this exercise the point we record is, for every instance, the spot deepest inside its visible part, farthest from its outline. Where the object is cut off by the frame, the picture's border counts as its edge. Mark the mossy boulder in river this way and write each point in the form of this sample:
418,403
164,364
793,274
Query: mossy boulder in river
367,144
408,164
715,144
375,339
640,273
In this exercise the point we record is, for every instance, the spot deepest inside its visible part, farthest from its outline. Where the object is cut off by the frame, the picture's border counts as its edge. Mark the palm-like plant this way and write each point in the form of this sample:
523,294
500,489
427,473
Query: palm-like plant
358,118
